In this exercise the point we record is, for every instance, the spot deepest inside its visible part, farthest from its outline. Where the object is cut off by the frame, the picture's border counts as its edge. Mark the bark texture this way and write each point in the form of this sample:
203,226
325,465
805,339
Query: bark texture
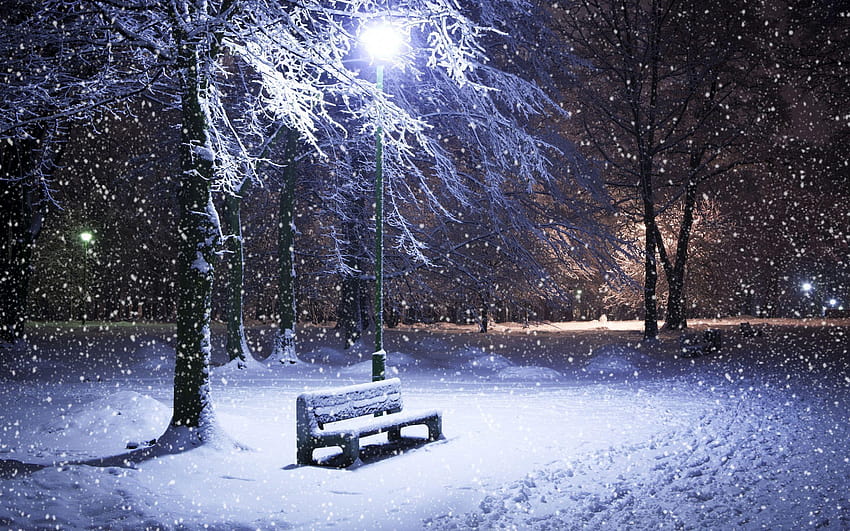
199,234
284,345
20,223
236,344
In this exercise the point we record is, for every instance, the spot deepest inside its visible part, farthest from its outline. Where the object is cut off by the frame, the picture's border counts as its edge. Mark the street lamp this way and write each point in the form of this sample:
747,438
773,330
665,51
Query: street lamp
832,307
806,286
383,42
86,237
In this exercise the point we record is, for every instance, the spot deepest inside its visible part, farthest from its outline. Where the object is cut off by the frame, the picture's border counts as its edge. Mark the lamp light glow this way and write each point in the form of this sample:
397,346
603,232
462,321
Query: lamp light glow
382,40
806,286
86,236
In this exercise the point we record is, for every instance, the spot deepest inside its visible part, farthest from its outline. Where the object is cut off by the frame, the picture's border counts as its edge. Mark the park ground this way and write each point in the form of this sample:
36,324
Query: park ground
550,426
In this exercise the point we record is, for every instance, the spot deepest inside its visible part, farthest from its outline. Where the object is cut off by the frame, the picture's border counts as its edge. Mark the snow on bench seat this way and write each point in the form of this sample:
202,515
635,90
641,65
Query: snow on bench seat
351,410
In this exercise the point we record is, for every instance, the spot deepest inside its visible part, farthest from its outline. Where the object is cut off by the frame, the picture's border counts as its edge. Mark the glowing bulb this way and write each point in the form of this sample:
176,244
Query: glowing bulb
383,41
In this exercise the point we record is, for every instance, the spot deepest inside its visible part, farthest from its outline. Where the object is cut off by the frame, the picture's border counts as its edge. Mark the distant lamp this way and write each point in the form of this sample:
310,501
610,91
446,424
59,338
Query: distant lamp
806,286
86,236
833,302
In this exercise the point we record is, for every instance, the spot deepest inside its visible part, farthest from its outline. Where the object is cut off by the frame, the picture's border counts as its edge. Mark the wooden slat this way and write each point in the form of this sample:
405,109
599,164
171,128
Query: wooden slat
343,403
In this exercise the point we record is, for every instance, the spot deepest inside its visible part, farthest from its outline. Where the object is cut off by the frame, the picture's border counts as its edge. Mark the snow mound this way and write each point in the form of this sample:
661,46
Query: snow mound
616,360
120,417
488,362
444,356
434,344
232,368
362,369
397,362
157,357
610,364
332,356
181,438
404,360
530,373
469,352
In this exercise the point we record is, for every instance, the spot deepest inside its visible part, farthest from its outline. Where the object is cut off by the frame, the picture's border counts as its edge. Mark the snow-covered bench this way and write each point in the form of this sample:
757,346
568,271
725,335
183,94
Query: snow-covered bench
352,410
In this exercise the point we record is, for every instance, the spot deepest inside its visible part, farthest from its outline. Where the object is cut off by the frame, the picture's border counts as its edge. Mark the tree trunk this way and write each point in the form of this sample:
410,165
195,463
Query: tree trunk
392,316
650,306
353,311
236,345
676,304
199,232
349,314
363,304
353,315
650,318
484,323
20,222
484,314
646,145
284,344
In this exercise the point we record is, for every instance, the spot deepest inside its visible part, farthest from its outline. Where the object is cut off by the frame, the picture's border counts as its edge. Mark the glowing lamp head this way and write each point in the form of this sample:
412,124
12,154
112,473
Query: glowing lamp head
806,286
382,40
86,236
833,302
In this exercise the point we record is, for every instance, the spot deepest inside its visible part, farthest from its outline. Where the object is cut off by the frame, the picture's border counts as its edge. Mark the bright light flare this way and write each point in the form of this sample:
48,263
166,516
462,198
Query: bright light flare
806,286
382,40
86,236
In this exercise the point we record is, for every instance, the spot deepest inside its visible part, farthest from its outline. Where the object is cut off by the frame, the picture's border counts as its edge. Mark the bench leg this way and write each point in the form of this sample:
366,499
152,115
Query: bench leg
435,428
394,434
350,449
305,455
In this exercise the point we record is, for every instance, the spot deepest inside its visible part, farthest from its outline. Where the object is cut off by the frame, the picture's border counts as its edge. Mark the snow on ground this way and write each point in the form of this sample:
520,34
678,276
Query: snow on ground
555,426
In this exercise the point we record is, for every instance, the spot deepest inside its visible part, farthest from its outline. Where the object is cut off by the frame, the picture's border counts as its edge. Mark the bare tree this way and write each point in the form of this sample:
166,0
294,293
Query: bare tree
654,104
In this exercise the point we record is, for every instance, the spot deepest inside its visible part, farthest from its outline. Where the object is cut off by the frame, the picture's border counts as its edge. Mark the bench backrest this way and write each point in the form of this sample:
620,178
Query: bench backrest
317,408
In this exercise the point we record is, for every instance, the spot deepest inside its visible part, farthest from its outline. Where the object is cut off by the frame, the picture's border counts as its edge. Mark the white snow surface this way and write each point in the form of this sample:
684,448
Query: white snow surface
555,426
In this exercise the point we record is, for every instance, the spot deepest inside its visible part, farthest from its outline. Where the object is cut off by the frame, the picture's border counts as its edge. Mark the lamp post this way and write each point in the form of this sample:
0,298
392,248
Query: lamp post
383,42
86,237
